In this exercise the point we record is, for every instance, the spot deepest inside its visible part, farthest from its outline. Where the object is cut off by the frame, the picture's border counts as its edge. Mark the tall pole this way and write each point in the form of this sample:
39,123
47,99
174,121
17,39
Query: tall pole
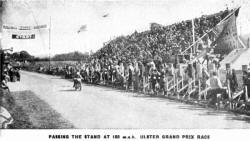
49,39
1,64
194,49
1,51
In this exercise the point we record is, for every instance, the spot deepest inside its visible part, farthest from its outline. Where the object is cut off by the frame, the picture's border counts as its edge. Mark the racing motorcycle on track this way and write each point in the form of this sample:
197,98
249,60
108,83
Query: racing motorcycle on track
77,84
154,80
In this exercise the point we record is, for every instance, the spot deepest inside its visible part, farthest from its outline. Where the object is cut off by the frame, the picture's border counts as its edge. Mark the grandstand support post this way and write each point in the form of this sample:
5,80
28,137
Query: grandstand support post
199,89
191,53
174,82
246,94
143,85
101,76
229,94
182,81
205,94
177,84
193,82
193,31
167,85
132,86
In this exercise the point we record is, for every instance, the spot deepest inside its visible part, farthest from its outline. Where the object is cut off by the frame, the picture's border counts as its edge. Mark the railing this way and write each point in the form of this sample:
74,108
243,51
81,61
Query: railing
179,83
203,93
170,84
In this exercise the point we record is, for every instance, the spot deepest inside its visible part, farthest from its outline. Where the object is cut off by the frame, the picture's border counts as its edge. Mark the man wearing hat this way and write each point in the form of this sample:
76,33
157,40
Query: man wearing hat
215,88
130,75
246,81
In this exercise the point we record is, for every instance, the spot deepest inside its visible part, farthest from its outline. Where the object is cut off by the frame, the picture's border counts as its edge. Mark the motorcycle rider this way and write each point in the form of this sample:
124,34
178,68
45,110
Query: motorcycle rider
77,78
155,79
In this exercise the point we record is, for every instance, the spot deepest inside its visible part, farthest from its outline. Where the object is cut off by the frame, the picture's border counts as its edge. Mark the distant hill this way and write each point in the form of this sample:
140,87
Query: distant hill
72,56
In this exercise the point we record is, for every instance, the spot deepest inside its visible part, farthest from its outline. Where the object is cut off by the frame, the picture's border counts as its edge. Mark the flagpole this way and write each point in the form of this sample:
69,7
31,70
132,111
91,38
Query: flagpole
49,39
212,29
194,50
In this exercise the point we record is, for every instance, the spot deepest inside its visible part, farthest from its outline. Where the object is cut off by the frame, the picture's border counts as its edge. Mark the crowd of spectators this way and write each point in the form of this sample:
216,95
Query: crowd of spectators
148,61
10,74
161,41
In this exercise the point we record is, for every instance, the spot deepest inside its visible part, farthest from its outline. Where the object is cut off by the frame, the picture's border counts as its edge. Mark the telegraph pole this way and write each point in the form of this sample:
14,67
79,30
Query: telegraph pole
1,63
1,51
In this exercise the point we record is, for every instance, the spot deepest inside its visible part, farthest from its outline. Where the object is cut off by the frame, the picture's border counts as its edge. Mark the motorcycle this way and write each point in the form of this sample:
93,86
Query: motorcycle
155,85
77,84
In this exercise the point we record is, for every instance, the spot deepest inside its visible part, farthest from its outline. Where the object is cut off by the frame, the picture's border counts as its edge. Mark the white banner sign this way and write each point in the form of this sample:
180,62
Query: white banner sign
10,27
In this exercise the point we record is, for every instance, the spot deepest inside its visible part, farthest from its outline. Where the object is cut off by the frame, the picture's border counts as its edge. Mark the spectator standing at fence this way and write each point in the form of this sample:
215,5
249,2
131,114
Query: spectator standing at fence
232,78
154,78
136,75
211,66
141,75
246,82
190,75
215,88
121,69
130,76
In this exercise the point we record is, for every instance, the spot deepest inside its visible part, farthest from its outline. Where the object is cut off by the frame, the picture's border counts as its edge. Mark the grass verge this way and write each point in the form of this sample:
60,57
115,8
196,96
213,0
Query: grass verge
30,112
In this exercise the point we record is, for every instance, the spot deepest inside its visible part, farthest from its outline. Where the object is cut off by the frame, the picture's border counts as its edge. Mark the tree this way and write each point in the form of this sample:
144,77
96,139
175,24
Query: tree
22,56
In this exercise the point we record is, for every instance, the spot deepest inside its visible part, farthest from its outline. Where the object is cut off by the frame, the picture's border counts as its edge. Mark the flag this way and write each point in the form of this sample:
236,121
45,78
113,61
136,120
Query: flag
82,28
225,34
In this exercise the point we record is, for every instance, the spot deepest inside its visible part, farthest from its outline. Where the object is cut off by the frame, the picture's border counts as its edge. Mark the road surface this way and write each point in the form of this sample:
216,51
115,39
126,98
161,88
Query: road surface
102,107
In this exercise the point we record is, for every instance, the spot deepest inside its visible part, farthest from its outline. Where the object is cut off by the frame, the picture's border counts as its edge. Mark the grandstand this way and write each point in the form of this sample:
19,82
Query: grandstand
213,35
162,41
169,53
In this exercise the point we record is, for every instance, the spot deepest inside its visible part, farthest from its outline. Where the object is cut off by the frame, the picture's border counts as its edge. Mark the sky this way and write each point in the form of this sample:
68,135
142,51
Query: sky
124,17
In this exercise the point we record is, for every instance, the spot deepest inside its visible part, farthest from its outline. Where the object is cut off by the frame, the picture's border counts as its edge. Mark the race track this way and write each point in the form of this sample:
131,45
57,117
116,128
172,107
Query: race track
102,107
